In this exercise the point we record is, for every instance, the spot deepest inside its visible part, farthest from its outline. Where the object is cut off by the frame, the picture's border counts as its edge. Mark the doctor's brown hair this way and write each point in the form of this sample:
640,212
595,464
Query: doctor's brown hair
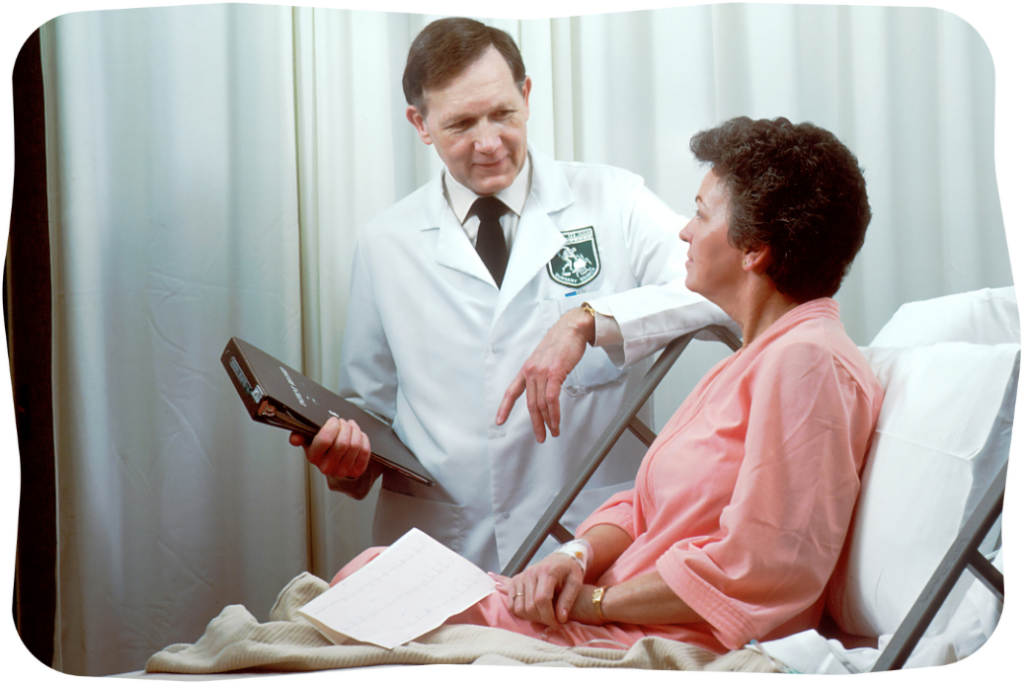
445,48
795,189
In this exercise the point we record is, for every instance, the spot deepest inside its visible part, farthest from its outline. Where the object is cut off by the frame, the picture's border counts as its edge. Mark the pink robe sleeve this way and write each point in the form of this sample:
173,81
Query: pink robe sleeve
617,510
808,427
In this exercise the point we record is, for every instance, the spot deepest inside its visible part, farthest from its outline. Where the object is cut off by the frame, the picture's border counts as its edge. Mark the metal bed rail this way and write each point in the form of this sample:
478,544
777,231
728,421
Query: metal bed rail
963,554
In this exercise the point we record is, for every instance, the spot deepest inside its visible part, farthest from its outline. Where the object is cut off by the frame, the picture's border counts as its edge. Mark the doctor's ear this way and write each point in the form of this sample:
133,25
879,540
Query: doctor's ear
757,260
419,122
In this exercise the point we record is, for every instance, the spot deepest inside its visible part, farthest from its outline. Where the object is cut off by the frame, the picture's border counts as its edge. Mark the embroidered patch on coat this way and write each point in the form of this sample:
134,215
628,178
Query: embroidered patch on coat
578,262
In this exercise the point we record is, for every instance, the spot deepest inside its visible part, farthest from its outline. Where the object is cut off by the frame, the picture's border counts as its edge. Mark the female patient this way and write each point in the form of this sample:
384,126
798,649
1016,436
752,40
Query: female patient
741,505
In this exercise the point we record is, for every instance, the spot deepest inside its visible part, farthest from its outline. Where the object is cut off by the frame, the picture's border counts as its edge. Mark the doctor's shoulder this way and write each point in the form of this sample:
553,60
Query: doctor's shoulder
399,222
602,183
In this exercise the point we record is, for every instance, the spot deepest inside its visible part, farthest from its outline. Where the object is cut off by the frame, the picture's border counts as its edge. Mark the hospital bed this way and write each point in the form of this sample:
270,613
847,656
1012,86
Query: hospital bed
919,581
978,333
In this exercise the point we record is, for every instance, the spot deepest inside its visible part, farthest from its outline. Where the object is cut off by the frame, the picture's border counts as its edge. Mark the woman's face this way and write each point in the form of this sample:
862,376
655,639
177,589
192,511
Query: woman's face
714,267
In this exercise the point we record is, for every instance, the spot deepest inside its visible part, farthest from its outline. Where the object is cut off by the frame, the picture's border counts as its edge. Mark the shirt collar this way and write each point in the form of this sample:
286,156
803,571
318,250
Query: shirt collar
514,196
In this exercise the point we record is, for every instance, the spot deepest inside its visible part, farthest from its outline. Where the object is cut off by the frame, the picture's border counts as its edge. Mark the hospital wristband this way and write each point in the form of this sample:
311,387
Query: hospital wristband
579,550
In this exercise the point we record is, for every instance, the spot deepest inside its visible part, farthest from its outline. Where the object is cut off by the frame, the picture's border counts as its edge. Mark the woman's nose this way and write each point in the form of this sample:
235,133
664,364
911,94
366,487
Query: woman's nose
685,233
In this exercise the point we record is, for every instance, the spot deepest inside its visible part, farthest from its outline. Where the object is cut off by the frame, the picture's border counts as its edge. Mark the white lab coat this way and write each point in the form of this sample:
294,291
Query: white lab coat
431,345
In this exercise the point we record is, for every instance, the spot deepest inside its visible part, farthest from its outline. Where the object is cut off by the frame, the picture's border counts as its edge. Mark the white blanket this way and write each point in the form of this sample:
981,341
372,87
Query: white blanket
234,641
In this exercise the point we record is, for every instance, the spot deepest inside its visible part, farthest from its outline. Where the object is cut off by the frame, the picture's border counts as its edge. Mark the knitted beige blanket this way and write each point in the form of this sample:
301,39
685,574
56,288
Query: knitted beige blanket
234,641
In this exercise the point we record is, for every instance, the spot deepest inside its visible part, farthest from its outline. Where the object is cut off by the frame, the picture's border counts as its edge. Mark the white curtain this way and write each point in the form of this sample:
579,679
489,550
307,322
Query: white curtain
210,165
173,208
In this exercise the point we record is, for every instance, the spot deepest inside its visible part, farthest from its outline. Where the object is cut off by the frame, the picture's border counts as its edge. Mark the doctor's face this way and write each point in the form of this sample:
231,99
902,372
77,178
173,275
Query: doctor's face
714,267
477,123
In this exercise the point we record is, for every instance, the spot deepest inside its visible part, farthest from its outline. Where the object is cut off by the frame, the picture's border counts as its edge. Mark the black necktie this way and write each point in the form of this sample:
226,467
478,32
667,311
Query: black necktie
490,239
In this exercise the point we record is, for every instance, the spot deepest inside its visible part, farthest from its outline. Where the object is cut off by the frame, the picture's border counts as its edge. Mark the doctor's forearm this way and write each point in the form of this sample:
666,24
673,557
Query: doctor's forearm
581,322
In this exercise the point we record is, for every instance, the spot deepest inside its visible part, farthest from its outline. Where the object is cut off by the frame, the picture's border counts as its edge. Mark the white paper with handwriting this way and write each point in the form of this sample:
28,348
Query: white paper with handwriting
409,589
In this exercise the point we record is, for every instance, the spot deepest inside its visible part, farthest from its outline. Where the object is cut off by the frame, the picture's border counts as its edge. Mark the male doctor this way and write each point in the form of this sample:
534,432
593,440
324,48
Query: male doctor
504,253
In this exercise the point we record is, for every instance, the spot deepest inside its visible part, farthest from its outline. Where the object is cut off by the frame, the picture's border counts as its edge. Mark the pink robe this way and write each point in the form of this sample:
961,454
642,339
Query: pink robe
743,502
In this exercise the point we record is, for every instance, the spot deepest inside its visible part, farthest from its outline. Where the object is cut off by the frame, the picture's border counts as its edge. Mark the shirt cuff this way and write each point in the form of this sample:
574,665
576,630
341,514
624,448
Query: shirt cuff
607,332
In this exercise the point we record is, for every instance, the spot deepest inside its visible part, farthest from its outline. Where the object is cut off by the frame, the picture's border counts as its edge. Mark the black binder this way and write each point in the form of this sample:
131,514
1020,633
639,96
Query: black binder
279,395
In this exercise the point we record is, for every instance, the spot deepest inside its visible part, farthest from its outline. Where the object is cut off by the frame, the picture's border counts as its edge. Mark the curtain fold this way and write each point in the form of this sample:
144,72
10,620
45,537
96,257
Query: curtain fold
175,227
211,165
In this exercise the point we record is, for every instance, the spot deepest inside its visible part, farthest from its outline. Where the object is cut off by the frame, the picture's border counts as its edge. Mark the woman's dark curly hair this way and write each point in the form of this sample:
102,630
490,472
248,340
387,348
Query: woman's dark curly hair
796,189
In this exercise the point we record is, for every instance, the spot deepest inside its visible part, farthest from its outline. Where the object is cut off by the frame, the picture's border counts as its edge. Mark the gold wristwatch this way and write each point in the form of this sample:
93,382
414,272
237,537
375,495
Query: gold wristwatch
596,599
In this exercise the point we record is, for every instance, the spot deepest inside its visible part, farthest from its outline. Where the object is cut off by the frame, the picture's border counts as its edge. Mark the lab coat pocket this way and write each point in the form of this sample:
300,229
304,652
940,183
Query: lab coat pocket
595,369
398,513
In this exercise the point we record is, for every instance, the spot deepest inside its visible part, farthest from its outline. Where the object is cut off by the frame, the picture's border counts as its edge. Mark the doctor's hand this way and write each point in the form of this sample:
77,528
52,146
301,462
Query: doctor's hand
544,592
547,368
340,449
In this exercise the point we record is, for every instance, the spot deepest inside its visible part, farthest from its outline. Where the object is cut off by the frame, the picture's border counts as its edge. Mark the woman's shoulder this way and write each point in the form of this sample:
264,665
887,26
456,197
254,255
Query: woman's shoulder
820,343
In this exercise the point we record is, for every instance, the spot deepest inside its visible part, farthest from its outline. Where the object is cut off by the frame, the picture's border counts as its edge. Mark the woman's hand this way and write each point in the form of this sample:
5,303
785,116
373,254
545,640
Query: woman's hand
544,592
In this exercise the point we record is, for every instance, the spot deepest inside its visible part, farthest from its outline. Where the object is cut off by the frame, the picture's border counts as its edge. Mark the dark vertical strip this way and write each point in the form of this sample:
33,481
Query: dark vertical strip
28,322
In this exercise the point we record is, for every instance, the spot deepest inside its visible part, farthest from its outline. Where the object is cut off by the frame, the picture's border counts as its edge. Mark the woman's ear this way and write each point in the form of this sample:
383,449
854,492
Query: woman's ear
757,259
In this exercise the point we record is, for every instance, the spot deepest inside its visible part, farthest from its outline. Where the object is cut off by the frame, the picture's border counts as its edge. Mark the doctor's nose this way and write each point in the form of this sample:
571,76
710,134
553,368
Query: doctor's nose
487,140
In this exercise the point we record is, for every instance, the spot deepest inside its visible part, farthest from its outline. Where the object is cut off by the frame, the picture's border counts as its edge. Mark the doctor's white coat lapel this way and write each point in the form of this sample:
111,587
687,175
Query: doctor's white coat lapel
454,250
538,238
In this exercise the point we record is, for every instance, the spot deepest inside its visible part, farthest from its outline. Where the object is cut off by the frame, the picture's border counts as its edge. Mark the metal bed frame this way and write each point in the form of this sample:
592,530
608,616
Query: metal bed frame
963,554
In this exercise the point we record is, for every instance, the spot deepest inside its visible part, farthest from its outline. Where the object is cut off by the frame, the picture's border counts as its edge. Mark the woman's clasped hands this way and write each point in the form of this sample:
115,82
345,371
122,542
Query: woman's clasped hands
550,592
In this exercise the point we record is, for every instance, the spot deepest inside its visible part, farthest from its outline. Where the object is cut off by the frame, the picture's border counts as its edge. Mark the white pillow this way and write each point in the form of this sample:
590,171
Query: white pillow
982,317
942,434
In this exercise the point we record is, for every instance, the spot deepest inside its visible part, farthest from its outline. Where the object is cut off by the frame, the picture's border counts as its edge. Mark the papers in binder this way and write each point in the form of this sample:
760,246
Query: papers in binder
409,589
